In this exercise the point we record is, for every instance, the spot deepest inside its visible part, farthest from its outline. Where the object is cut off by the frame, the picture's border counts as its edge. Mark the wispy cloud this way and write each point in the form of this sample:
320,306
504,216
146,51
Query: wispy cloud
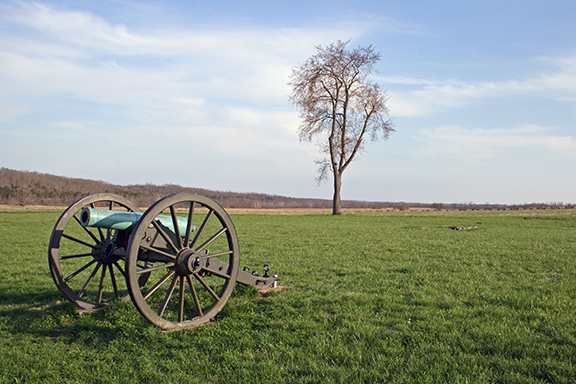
88,32
436,96
80,55
473,144
414,96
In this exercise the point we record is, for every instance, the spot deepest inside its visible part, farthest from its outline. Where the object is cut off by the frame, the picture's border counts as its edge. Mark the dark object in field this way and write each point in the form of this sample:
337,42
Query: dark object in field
461,228
178,270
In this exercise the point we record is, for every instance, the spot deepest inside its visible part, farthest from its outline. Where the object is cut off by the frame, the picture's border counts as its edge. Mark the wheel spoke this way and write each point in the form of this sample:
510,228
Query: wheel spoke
93,206
201,229
176,228
189,224
165,236
146,270
207,287
158,251
89,232
167,297
89,280
113,278
75,256
158,284
218,254
214,237
181,307
194,295
70,276
120,269
77,240
101,287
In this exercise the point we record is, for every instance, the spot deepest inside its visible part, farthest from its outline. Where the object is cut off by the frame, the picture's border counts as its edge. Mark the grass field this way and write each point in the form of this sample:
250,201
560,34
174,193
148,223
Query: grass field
396,297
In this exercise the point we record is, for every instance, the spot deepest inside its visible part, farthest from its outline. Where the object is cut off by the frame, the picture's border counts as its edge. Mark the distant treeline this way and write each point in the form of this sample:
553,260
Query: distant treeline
23,188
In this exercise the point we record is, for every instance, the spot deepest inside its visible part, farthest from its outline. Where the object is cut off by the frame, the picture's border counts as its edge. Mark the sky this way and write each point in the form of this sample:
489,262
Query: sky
195,93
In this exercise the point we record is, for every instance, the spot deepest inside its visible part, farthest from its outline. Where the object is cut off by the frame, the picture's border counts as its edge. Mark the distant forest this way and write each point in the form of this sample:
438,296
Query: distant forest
23,188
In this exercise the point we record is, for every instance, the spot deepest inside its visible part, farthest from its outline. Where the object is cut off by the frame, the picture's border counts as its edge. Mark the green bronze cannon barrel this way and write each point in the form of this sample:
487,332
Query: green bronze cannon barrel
102,218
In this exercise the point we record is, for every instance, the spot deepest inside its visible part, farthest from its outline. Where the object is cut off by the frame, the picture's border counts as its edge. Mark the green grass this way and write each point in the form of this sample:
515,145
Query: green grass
397,298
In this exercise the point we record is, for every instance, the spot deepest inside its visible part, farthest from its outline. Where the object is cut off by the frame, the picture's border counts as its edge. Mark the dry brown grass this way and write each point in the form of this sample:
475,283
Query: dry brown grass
351,211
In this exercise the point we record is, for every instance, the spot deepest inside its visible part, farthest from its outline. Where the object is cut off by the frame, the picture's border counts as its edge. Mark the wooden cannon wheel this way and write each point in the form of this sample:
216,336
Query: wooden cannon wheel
86,264
191,271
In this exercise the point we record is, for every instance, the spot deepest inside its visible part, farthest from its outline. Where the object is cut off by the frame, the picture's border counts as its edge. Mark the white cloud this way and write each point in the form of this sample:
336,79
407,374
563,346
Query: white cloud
88,32
473,145
84,30
560,85
174,84
9,109
80,55
415,97
431,96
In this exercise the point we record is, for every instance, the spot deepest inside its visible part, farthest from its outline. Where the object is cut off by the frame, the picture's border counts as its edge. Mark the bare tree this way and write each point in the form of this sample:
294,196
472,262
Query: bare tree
339,107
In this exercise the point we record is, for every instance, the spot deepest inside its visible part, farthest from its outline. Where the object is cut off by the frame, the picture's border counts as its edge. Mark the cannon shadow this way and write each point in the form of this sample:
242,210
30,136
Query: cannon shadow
48,316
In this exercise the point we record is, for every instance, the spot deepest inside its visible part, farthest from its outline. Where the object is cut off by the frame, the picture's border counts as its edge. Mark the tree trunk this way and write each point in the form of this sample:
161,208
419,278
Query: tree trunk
336,200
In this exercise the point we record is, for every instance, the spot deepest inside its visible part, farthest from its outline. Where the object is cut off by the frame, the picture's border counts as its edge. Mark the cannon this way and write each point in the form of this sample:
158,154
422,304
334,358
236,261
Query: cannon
178,261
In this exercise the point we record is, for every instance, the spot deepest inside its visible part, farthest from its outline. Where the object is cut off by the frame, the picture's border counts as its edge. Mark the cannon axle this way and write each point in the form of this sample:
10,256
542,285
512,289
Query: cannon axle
107,252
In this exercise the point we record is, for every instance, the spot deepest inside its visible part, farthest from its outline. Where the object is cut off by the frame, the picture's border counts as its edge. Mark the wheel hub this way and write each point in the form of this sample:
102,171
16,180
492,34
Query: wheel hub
104,252
189,261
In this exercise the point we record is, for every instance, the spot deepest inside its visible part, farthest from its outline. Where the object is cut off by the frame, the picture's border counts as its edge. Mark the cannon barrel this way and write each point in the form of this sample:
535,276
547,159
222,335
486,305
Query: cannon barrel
103,218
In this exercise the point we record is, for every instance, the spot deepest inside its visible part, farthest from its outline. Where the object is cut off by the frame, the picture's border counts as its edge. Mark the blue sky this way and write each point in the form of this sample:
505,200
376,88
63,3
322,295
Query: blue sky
483,94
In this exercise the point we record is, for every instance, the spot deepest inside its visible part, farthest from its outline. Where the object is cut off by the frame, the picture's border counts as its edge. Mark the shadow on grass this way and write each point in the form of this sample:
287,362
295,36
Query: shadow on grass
49,315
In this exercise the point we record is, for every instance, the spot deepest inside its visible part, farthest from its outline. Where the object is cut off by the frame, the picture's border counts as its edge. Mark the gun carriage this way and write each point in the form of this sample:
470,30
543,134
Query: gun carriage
178,262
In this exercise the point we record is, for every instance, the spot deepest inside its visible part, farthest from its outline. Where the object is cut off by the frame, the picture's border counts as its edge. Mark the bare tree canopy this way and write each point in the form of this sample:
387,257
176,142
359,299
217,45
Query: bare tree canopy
339,107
